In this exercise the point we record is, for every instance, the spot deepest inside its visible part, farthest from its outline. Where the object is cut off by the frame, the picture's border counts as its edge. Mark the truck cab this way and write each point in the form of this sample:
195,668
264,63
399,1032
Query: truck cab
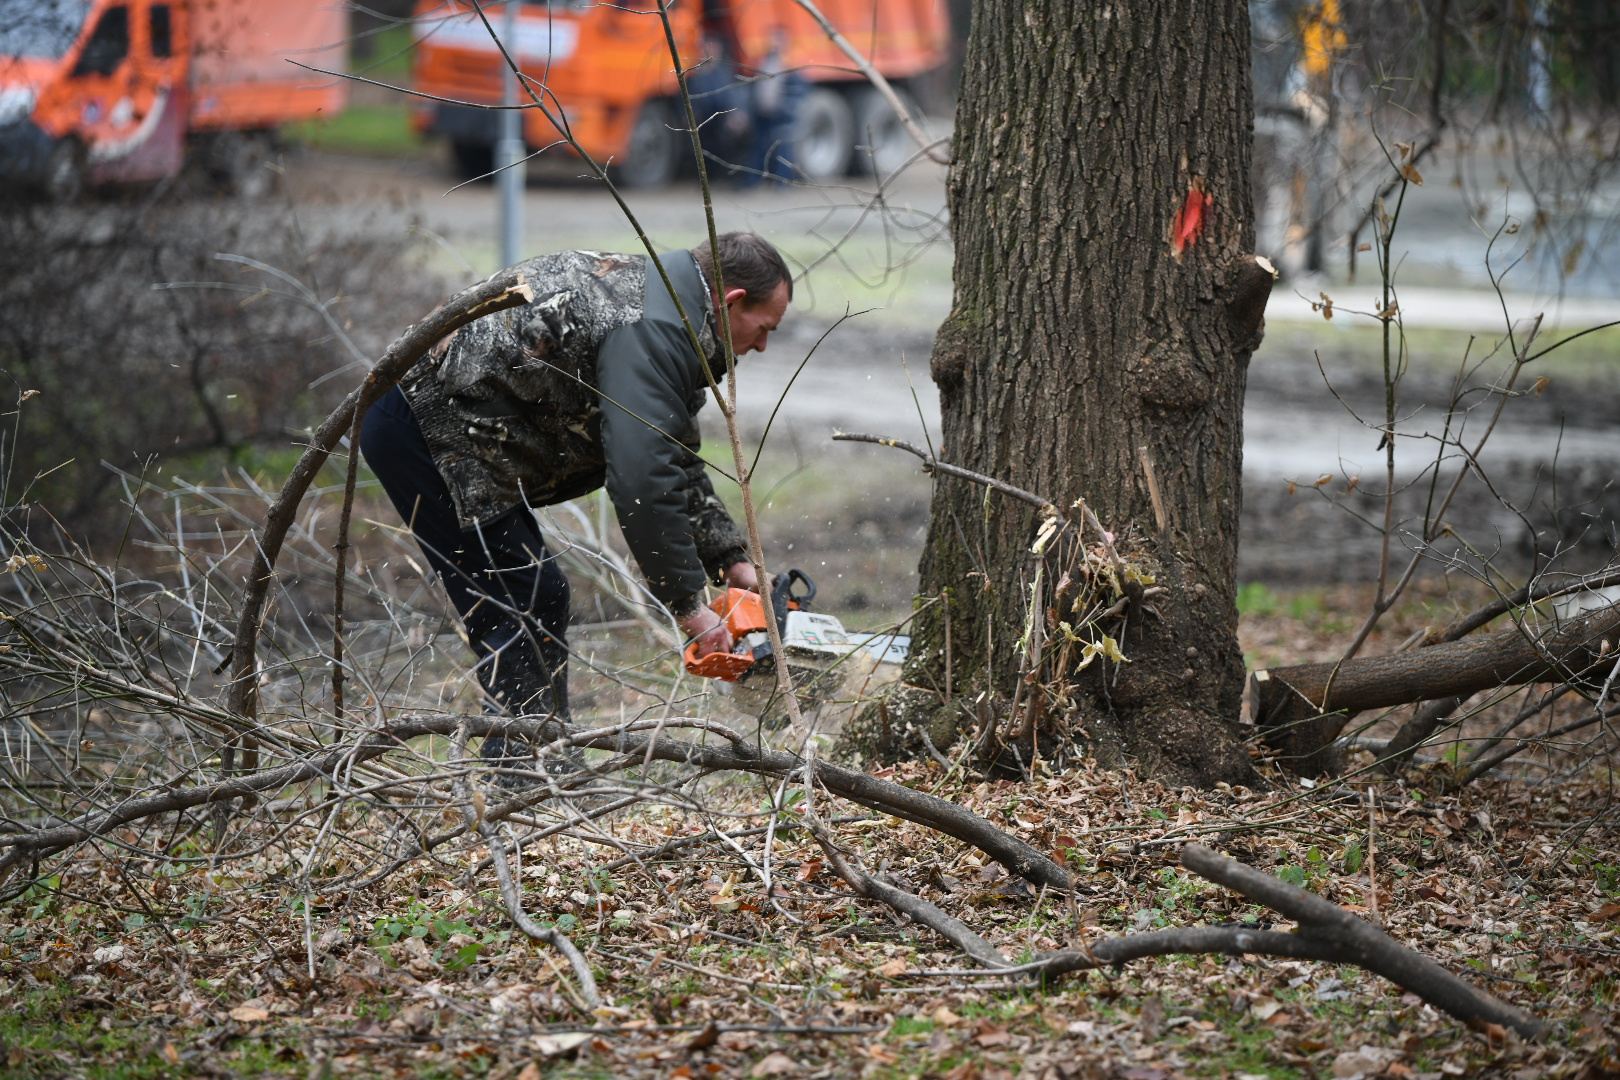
603,72
91,90
99,91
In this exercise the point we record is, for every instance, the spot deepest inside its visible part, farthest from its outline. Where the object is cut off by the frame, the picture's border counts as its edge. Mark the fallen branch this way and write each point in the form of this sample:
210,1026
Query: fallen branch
671,846
1415,732
1359,942
893,799
1529,594
1477,767
954,930
473,810
1301,710
1326,932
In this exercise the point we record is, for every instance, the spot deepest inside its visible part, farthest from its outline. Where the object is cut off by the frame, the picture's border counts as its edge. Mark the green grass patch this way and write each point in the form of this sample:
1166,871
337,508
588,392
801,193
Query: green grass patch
41,1029
911,1025
1440,351
384,55
375,130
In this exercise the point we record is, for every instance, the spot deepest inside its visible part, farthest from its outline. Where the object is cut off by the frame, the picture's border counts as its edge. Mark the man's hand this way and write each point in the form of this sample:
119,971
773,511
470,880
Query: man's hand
708,630
740,575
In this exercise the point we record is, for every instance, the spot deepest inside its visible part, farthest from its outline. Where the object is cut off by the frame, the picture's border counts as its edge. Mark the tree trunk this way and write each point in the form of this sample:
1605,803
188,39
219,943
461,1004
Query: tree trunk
1105,310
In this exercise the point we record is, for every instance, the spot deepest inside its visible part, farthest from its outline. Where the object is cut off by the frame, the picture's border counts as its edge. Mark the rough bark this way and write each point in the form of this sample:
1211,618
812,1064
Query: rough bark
1301,710
1105,309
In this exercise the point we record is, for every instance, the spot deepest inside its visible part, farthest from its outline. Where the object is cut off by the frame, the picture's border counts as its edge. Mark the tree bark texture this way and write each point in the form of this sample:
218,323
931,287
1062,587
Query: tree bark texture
1301,710
1105,310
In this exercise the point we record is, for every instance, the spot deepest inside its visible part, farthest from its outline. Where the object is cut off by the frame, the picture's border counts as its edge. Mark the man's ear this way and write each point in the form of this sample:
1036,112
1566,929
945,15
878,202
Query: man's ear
733,295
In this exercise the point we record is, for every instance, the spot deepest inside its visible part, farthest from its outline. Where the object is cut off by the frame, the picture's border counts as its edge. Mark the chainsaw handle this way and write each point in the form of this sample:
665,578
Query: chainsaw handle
783,583
726,666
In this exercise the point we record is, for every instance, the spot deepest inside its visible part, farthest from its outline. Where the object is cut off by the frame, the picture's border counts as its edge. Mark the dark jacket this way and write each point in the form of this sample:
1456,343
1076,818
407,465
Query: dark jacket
595,381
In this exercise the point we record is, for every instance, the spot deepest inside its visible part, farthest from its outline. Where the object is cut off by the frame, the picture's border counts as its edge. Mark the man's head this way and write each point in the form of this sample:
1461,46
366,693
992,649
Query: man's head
758,287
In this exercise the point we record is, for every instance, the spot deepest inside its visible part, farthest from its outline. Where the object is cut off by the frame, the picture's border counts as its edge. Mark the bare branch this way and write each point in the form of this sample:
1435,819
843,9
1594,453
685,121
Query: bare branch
505,290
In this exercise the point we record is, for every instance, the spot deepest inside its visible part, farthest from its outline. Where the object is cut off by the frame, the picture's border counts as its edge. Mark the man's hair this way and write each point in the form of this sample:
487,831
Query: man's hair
749,262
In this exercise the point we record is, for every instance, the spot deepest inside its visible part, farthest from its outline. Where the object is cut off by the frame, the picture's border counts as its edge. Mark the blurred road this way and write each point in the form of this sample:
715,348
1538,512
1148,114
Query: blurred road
892,260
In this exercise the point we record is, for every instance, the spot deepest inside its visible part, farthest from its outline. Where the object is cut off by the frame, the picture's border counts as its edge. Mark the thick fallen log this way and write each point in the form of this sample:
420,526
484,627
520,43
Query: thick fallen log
1301,710
1428,718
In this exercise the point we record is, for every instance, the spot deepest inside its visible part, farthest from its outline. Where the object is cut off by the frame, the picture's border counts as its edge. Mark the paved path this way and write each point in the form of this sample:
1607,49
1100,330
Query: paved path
858,380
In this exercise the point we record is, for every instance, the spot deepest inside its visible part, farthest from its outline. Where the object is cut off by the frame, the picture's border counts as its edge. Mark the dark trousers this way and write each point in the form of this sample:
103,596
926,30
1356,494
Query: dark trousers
511,595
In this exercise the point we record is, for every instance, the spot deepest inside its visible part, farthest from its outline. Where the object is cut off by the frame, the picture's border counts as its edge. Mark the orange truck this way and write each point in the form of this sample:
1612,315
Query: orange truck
607,66
101,91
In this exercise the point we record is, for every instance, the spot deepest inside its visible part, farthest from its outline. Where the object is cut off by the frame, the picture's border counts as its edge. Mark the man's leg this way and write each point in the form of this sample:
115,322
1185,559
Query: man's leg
512,598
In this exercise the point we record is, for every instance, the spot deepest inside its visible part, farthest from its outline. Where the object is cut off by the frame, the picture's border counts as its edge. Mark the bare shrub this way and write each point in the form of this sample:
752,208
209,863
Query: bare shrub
121,371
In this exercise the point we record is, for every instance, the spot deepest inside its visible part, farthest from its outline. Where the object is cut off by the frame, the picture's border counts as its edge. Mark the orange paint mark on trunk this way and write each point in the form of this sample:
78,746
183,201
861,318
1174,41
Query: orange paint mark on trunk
1191,218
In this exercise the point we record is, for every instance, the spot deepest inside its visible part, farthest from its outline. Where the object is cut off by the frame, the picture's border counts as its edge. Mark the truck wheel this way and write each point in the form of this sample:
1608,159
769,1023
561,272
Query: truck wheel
882,143
473,160
654,154
62,180
237,163
824,140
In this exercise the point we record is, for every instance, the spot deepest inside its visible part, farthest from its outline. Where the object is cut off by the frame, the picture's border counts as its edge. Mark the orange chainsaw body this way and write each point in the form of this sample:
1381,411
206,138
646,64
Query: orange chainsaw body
744,613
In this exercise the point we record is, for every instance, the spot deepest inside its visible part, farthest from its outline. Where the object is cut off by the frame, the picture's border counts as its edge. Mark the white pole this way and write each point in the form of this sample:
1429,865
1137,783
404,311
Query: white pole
510,151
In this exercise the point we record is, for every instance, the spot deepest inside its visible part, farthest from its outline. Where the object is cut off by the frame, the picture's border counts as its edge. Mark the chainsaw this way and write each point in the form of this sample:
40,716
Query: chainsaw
809,638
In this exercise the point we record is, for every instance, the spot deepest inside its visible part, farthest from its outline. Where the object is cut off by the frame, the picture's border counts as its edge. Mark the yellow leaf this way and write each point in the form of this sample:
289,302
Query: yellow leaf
1410,173
1048,527
247,1014
1107,648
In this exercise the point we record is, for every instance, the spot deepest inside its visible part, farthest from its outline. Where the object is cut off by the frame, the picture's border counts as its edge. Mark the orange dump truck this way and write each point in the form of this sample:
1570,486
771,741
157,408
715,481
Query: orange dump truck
95,91
608,67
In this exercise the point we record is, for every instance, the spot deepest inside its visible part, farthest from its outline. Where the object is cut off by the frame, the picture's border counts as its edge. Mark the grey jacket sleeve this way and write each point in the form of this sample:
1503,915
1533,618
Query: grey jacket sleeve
646,373
720,544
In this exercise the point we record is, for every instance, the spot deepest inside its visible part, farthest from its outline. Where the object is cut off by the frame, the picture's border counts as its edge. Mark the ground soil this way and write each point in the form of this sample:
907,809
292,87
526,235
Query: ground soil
202,965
